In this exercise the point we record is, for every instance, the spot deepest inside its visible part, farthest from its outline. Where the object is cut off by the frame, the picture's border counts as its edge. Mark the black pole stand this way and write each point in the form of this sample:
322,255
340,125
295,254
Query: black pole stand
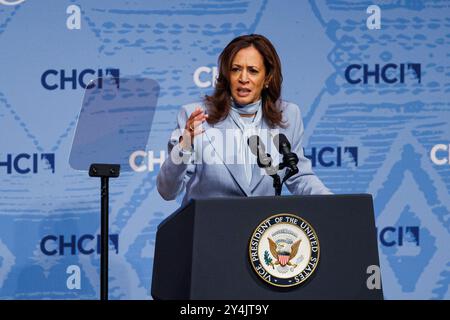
104,171
277,185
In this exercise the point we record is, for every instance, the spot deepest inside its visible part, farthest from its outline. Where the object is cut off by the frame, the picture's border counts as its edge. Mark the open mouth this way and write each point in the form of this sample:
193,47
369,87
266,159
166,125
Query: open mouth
243,92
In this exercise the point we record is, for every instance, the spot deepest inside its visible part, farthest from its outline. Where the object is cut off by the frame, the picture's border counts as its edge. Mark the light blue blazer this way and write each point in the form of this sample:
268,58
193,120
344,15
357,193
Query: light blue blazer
225,178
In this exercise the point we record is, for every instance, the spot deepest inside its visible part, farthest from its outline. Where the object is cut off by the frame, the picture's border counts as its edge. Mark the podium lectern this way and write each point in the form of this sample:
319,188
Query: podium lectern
202,250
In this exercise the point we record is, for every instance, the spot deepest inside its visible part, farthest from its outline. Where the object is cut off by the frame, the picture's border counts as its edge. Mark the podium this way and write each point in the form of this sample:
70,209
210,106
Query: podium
202,250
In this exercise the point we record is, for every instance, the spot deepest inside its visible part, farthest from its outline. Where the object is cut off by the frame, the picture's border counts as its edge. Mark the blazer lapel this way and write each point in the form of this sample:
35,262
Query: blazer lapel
227,157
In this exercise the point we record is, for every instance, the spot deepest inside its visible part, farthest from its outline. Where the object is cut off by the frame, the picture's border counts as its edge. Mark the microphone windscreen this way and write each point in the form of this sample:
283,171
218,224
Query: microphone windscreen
253,143
279,140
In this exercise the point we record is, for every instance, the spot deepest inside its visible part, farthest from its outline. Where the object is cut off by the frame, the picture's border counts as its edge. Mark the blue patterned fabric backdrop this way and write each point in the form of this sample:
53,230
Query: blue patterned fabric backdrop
373,86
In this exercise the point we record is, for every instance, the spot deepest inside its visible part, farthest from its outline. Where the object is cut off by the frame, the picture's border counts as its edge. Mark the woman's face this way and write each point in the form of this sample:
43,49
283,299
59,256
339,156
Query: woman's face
247,76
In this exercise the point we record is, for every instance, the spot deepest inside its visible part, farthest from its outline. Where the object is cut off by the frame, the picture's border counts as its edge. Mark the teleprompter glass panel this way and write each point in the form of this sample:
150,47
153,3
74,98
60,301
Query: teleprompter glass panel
115,120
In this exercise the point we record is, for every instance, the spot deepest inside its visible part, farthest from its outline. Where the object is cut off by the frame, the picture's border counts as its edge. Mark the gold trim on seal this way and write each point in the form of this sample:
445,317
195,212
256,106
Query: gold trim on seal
273,217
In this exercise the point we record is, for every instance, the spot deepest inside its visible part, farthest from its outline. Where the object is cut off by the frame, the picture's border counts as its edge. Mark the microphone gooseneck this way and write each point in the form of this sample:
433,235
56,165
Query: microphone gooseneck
264,161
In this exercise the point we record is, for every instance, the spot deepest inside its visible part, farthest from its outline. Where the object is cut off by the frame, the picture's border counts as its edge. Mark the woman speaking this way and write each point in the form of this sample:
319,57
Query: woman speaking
210,152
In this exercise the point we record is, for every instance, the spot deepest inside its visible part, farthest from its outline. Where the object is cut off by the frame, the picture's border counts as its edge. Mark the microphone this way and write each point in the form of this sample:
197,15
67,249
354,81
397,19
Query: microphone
264,159
290,159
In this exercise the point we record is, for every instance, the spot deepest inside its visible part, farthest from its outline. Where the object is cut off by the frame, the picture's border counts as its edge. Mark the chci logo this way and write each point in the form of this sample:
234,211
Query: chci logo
284,250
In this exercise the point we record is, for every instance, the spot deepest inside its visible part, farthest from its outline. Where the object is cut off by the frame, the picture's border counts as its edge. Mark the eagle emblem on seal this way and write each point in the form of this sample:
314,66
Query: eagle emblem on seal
283,252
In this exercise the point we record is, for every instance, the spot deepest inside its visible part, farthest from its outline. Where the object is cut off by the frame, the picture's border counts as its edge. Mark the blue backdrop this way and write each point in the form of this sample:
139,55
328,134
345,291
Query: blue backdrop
374,98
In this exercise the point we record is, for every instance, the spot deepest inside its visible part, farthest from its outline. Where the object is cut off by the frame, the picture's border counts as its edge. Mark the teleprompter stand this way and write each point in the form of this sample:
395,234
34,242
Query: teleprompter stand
103,139
104,171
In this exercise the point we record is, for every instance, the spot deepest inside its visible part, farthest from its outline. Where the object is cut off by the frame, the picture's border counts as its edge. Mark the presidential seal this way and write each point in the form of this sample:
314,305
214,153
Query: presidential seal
284,250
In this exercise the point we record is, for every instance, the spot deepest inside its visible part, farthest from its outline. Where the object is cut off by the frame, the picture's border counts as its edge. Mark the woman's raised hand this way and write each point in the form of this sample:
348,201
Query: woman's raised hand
193,127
